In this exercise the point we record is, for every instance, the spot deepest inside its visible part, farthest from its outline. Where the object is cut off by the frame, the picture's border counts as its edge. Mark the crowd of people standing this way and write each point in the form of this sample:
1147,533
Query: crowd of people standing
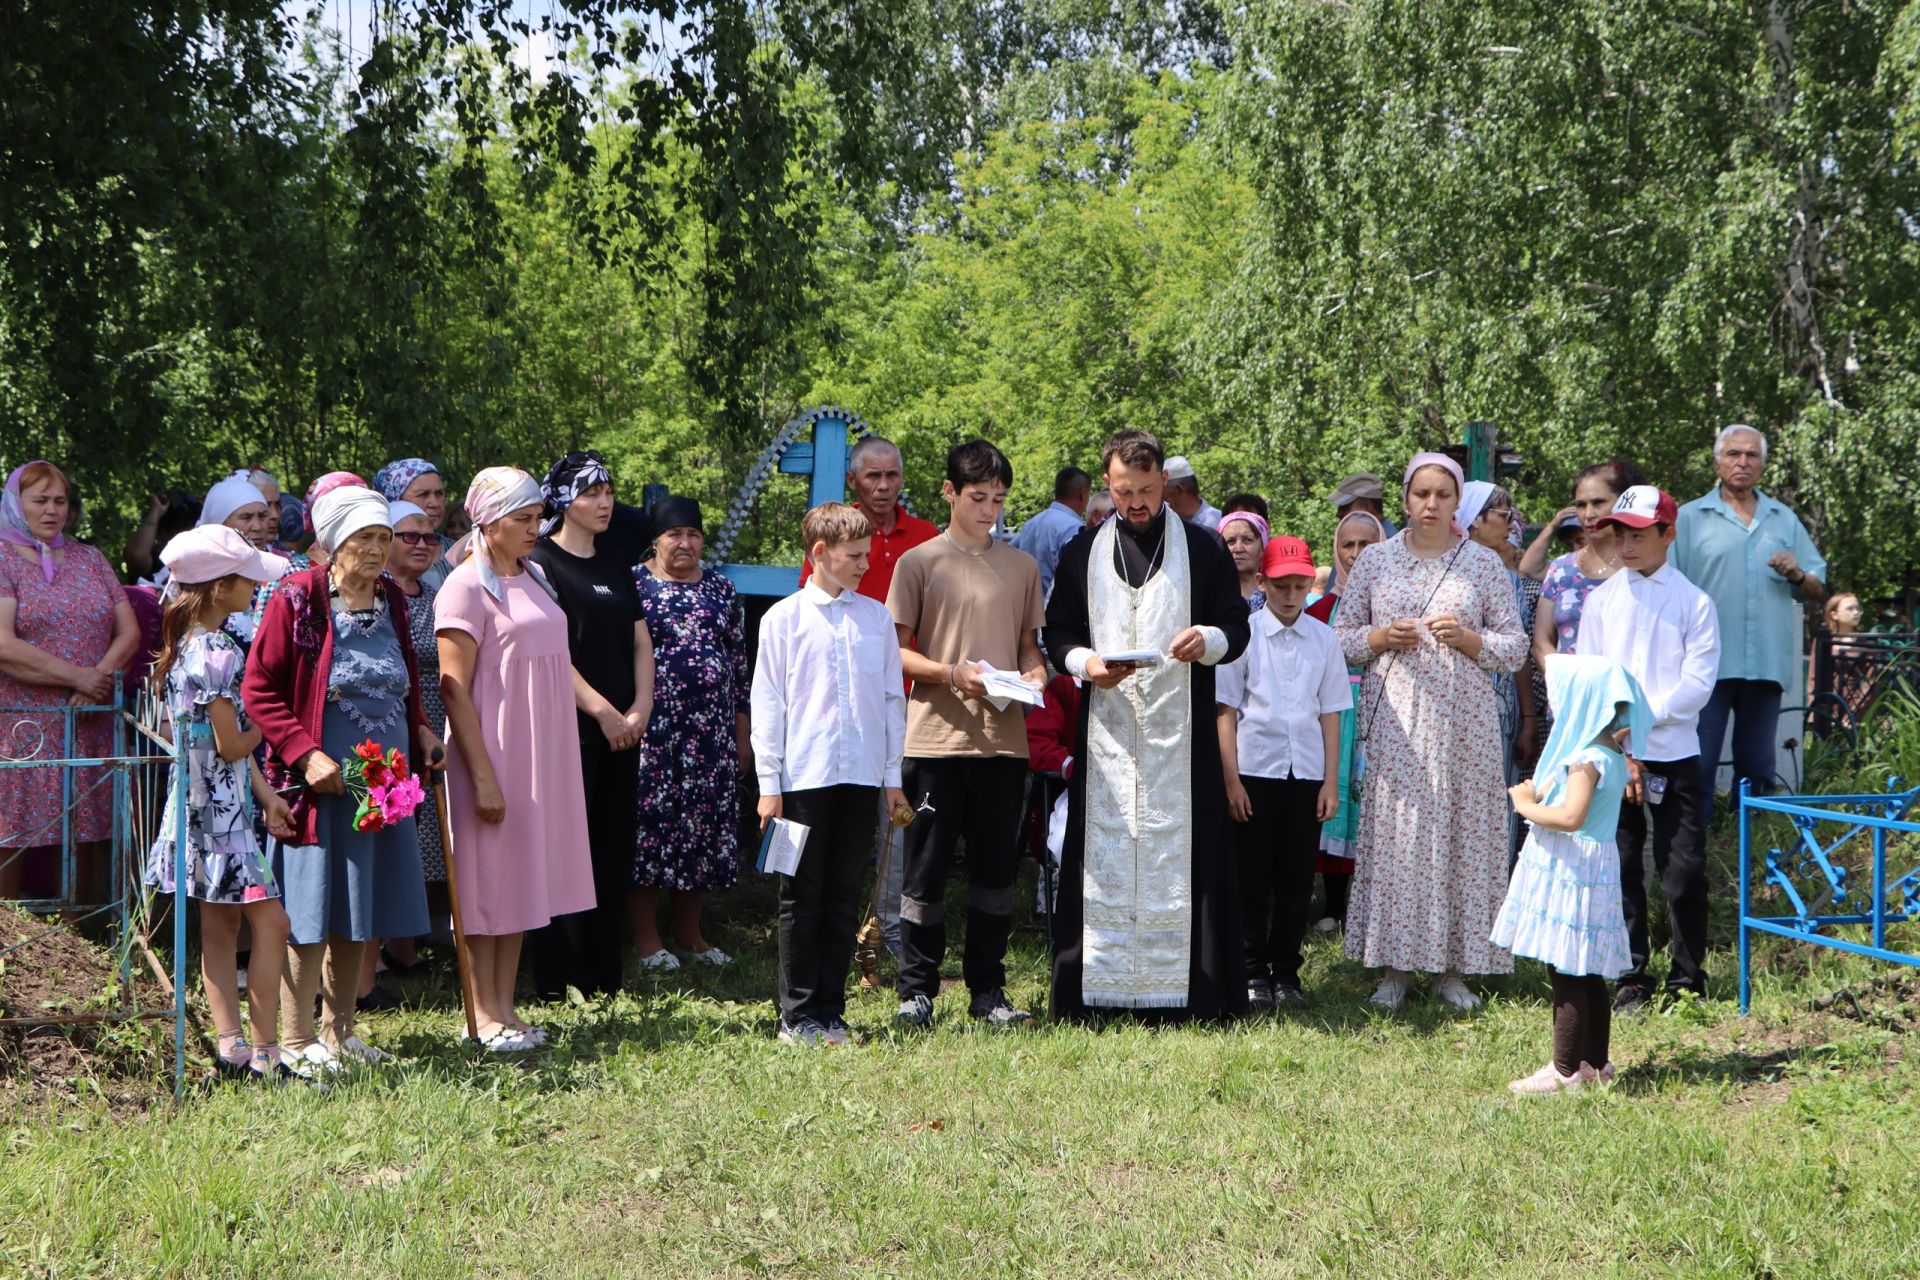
1220,719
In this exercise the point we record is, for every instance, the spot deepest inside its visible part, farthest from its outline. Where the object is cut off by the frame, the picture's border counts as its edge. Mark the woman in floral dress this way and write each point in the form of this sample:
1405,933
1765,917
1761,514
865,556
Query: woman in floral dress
696,743
1429,613
65,628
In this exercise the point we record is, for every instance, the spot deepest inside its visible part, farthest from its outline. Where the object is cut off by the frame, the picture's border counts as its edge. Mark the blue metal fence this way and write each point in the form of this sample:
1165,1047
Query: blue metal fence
144,791
1818,878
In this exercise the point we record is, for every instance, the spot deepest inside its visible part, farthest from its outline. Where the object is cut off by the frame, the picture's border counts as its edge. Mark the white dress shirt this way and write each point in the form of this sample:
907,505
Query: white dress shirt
829,704
1666,633
1287,679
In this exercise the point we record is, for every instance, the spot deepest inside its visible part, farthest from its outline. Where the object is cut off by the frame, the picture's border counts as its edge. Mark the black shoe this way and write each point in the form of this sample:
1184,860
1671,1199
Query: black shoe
401,970
1631,998
994,1009
378,1000
915,1011
1288,996
1259,995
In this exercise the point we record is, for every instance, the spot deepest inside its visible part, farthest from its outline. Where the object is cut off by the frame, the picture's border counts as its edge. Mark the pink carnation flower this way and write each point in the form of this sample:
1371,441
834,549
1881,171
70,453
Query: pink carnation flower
399,799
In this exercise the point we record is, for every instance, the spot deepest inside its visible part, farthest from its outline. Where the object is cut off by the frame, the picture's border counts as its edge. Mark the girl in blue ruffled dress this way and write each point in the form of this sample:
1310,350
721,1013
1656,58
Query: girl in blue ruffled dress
197,676
1563,902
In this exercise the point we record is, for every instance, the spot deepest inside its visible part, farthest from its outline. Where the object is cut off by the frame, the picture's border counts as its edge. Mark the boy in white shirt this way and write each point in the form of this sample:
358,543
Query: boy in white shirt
1279,724
829,723
1666,633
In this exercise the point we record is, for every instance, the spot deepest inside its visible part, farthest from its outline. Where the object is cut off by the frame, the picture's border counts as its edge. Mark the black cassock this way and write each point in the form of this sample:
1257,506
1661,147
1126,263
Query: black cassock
1217,984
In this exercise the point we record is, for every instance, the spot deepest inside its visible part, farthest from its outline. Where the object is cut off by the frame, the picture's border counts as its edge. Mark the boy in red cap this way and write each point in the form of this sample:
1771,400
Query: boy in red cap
1666,633
1279,725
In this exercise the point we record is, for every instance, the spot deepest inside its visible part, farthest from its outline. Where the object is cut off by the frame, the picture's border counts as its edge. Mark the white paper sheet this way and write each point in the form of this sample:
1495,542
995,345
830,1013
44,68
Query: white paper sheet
1006,687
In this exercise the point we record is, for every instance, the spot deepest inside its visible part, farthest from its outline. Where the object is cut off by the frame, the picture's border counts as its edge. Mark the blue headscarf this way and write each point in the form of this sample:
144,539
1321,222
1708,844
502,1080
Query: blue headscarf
392,480
1586,694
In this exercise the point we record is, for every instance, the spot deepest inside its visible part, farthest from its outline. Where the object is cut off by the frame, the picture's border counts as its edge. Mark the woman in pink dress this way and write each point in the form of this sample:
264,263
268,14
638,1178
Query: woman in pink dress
1428,613
516,801
65,629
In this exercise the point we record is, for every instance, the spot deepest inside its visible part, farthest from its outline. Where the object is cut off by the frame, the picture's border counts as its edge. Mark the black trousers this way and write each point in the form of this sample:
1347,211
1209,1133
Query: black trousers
820,903
1276,849
978,798
1582,1021
588,949
1680,858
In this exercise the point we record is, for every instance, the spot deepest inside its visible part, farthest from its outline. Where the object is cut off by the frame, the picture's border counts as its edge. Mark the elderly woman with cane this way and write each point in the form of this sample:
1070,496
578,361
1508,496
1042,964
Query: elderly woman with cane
517,807
330,668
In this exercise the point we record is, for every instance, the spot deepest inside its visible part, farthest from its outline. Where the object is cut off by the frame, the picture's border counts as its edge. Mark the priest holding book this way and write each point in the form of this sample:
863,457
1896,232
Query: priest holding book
1148,919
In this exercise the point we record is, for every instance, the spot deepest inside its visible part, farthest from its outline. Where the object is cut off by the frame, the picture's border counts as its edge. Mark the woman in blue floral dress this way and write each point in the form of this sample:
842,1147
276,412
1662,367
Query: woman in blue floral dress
696,743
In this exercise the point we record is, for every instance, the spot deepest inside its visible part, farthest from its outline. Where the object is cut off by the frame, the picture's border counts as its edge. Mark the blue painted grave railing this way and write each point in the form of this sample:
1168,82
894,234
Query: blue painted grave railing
1819,884
822,457
145,793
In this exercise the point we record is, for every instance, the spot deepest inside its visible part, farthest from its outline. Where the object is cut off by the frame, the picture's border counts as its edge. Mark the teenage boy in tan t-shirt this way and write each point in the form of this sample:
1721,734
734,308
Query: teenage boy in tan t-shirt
958,601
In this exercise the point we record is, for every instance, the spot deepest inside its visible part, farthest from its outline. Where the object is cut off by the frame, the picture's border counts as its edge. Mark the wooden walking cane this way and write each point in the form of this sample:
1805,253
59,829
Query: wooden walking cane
871,937
460,959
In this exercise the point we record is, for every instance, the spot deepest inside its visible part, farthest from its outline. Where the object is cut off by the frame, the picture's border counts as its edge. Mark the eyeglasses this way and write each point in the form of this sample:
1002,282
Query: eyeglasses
1505,513
415,539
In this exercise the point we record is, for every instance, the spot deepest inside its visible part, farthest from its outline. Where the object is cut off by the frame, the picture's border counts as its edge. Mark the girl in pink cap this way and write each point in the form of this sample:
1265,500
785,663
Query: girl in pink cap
215,572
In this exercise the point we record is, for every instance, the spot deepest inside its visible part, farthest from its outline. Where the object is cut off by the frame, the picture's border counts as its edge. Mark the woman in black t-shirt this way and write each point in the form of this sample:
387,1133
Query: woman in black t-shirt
613,696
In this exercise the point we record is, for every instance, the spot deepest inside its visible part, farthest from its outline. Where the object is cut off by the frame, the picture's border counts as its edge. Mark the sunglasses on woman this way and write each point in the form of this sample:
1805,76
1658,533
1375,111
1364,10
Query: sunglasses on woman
414,539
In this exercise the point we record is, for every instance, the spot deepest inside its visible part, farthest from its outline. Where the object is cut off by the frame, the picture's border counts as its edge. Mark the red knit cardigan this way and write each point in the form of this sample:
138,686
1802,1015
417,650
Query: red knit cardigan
285,688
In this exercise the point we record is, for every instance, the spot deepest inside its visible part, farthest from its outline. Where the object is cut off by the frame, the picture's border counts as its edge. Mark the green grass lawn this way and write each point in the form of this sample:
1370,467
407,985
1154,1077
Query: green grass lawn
667,1134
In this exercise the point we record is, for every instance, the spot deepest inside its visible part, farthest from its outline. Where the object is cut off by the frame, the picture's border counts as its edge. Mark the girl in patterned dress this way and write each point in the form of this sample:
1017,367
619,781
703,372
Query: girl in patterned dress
1563,904
215,572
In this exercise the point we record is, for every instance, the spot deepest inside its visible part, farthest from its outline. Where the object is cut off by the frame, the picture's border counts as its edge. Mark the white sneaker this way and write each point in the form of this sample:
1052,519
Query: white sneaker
1392,991
712,955
354,1046
663,960
322,1059
1325,924
1450,988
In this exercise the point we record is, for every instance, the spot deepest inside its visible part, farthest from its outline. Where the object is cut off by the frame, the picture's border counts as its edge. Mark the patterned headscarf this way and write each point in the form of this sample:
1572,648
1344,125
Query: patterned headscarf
1447,465
325,485
1252,519
13,522
392,480
566,480
497,492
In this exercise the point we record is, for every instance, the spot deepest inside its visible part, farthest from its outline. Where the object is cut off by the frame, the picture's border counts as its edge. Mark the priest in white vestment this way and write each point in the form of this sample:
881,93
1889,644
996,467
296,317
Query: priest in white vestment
1148,919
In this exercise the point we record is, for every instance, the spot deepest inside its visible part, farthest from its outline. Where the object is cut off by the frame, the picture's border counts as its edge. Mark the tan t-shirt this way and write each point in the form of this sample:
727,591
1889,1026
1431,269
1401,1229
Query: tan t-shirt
966,607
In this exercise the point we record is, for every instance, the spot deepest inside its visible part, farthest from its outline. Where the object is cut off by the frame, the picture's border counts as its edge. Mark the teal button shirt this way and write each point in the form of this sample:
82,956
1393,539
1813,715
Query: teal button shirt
1760,614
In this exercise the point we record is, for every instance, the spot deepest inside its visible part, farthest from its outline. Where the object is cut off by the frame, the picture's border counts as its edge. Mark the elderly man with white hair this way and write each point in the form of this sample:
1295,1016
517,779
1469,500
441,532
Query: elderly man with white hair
1754,558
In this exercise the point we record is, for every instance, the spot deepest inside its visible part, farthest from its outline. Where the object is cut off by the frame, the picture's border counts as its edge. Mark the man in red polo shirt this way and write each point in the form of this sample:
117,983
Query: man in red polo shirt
874,474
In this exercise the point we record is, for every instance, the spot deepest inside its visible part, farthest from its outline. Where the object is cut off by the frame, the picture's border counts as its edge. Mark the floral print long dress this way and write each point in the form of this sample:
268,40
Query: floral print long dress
689,833
1432,865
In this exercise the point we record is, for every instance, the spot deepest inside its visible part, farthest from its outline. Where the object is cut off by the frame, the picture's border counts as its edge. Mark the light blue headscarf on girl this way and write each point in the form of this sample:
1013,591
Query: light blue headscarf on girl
1586,694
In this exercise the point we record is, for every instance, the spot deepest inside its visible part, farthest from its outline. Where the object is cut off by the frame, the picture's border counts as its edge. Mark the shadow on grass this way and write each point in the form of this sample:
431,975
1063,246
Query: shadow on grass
1735,1067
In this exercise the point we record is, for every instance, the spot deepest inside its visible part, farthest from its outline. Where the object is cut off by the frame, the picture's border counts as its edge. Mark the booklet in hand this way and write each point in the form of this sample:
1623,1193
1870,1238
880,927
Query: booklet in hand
781,845
1134,658
1007,687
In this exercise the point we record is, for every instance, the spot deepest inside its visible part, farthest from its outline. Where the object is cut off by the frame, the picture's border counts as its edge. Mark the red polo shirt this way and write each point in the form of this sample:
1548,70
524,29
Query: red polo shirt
909,531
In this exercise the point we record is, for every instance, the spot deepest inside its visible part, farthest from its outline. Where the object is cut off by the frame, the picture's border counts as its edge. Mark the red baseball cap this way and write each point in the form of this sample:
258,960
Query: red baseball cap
1286,557
1642,506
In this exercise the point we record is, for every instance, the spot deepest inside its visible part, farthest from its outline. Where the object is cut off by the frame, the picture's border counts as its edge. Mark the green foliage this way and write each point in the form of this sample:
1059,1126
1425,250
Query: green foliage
1294,239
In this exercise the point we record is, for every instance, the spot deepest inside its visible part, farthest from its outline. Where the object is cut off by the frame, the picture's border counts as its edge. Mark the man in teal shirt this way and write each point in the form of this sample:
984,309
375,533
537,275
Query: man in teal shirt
1751,554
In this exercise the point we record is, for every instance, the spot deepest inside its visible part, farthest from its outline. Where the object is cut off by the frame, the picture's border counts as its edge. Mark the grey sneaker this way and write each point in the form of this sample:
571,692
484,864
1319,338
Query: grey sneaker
915,1011
994,1009
838,1033
806,1032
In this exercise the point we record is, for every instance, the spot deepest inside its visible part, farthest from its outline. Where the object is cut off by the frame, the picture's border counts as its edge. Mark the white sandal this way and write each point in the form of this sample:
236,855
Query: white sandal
663,960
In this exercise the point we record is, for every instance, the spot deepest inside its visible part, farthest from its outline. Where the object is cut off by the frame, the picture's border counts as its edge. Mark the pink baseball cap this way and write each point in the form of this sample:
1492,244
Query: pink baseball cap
213,551
1286,558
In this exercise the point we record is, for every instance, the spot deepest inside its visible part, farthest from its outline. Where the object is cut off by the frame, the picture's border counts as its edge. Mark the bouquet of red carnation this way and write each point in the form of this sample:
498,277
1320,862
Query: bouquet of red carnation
377,777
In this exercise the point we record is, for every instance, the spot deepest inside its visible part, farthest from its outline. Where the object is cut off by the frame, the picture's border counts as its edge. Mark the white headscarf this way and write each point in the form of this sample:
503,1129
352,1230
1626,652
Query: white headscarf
227,497
1474,495
400,509
341,513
